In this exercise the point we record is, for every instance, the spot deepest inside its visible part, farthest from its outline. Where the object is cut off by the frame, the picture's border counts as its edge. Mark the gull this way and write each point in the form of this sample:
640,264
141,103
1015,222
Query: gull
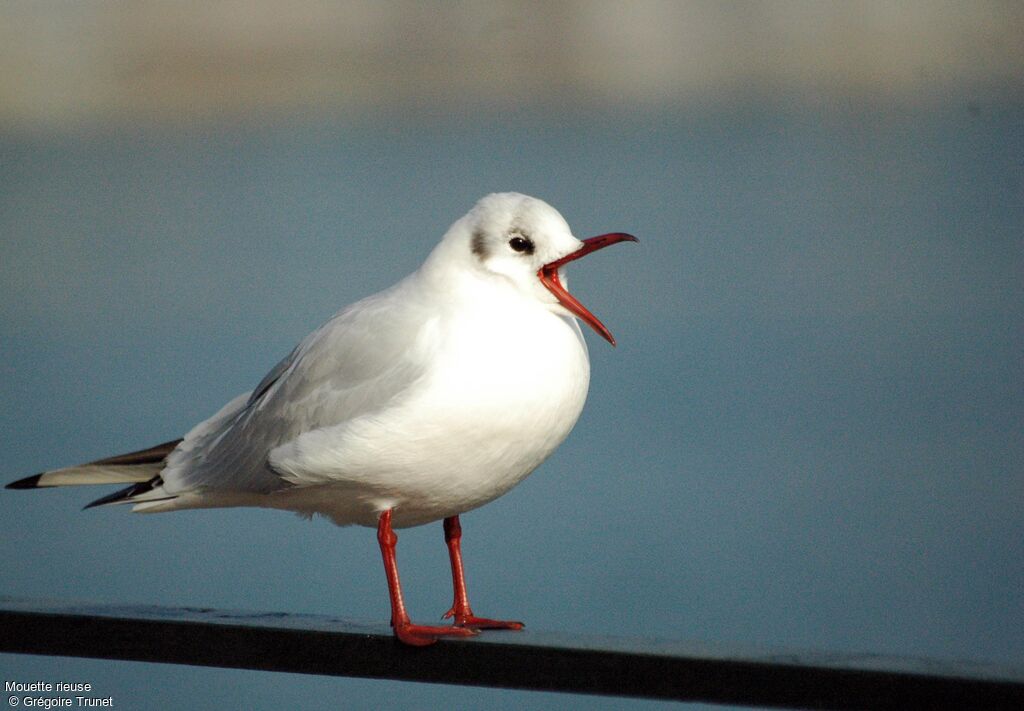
417,404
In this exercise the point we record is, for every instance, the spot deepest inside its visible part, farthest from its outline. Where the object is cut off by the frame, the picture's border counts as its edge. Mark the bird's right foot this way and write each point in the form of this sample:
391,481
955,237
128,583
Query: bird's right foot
423,635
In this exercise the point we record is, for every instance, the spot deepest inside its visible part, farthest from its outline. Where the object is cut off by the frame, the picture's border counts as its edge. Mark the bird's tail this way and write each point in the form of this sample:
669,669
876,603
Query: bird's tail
139,468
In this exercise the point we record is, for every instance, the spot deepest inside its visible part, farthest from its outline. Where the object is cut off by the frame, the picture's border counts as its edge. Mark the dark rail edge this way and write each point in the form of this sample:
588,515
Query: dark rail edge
656,669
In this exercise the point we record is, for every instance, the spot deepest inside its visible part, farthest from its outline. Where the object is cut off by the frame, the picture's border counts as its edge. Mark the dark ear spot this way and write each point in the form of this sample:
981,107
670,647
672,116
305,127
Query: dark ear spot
478,244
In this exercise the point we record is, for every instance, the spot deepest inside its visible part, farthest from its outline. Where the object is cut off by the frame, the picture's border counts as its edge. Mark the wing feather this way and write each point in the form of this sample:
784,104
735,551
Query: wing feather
357,363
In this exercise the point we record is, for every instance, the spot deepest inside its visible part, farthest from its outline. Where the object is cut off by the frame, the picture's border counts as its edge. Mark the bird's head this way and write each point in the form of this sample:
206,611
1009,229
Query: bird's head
527,242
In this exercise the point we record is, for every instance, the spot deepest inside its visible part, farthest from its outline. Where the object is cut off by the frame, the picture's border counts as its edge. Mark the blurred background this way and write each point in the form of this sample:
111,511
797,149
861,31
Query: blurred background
809,436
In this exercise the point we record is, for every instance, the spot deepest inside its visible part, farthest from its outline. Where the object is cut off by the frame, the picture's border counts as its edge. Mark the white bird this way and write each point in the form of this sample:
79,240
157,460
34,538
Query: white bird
413,405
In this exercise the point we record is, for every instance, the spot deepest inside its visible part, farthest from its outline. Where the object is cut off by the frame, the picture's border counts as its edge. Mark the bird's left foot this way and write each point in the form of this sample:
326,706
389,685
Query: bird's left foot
471,621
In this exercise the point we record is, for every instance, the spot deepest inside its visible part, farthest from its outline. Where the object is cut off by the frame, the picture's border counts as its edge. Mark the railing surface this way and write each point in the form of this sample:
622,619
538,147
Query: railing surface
313,644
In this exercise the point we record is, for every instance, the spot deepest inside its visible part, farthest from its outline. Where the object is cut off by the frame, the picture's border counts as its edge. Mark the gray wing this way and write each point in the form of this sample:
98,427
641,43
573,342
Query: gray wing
272,377
356,363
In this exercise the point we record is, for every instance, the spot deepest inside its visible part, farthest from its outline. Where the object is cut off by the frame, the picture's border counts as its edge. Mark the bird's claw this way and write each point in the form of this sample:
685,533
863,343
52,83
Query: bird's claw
471,621
423,635
484,623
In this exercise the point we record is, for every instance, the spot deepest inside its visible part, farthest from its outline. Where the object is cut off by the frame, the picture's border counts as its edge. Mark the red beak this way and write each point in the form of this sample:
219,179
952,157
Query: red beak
548,275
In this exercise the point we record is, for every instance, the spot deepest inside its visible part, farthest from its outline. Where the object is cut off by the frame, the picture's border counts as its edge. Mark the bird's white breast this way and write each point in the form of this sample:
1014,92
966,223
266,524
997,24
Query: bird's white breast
506,383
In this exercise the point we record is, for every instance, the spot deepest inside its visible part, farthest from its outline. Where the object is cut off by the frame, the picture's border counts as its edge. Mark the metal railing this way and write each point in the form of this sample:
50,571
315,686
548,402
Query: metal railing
643,668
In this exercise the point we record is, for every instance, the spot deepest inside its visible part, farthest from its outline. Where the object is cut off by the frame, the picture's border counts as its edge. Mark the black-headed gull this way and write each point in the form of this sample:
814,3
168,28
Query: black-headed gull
416,404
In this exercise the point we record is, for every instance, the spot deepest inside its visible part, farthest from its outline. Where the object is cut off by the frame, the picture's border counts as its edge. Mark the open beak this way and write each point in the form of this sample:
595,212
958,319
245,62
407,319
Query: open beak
548,275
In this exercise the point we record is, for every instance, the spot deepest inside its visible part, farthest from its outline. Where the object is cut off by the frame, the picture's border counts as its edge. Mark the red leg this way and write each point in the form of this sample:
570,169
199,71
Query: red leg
460,609
406,631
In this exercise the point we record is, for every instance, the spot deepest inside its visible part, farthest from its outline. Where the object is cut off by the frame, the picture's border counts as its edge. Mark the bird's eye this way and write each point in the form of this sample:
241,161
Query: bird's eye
521,244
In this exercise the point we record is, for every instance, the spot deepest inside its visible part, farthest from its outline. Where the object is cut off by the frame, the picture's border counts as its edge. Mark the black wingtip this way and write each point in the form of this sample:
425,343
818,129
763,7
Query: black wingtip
118,495
29,482
126,493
